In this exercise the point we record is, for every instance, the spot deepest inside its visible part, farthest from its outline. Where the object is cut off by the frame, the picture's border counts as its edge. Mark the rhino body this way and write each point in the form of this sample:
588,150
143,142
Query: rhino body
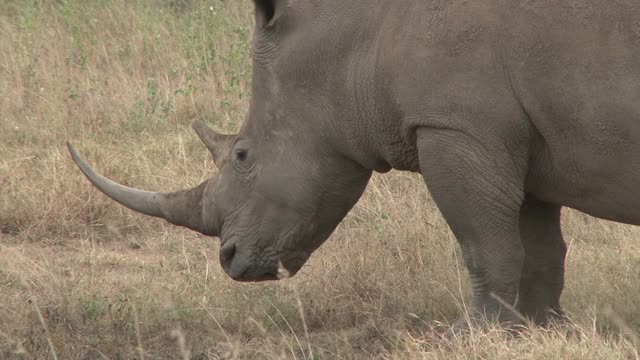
509,109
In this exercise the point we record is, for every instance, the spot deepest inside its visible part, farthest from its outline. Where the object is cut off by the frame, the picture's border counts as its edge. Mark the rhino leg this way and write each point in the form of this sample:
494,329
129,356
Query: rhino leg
542,278
478,188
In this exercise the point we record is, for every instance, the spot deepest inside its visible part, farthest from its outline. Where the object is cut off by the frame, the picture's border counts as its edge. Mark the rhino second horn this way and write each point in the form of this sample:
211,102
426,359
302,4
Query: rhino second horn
183,208
218,144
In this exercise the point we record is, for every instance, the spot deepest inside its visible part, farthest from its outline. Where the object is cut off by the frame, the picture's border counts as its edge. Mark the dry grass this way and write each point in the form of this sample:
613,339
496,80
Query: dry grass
82,277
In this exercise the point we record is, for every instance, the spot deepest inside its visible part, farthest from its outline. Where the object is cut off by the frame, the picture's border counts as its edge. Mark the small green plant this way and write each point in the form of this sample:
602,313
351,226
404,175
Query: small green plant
93,308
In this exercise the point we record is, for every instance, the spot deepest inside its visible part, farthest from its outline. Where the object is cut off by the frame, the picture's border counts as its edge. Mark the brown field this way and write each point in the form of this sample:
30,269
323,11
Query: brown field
84,278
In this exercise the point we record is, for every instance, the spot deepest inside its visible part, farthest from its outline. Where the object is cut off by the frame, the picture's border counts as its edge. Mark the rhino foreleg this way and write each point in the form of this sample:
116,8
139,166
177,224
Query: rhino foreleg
478,187
542,278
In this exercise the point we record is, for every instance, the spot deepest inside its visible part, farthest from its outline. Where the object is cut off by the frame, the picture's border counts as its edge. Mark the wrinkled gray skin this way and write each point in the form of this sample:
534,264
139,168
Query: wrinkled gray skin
509,109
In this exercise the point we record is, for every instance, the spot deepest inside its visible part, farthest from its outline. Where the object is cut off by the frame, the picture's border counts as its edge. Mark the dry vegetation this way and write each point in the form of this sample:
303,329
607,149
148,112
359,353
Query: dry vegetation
85,278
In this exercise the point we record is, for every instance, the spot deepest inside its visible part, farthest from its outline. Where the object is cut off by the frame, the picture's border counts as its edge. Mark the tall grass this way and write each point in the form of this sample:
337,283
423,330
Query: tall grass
82,277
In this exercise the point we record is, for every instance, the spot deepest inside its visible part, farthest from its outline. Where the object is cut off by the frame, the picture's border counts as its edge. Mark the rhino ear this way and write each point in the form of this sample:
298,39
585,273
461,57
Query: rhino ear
265,12
218,144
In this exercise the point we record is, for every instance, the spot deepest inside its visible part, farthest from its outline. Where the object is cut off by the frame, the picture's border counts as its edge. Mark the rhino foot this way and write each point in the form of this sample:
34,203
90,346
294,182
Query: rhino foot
466,325
511,325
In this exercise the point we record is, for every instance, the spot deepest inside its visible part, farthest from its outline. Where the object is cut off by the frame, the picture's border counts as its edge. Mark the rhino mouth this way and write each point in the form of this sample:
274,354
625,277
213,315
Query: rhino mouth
245,266
261,273
249,278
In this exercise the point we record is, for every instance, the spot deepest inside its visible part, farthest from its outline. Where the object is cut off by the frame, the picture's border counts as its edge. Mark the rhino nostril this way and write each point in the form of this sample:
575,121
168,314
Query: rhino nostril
227,252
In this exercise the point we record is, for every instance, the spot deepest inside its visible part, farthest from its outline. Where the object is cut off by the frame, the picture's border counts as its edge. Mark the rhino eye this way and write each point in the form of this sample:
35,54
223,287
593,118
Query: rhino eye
241,154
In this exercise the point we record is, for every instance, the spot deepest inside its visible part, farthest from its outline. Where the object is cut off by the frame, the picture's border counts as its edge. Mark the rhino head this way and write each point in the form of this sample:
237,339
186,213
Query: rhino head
286,179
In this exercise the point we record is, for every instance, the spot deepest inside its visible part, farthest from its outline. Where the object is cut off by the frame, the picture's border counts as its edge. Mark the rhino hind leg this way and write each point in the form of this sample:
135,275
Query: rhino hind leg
542,277
479,192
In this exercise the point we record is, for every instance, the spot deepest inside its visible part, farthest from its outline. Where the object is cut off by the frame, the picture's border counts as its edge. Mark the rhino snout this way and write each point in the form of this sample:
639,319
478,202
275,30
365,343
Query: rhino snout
241,266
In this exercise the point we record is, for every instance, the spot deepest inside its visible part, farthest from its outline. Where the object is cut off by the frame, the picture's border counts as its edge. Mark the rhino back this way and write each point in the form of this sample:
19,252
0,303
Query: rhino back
562,76
575,68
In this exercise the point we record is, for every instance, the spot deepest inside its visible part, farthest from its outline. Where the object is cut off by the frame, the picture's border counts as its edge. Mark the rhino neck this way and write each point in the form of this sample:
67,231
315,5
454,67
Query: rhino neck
373,132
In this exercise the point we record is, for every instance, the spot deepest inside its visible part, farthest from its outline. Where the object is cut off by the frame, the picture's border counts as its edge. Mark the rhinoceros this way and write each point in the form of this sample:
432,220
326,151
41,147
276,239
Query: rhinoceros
510,110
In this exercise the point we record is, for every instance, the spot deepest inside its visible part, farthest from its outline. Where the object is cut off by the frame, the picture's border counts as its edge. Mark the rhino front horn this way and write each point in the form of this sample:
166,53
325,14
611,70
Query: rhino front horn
218,144
183,208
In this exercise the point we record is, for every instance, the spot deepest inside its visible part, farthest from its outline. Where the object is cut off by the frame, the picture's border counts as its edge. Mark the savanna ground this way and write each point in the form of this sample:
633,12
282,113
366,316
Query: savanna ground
83,278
